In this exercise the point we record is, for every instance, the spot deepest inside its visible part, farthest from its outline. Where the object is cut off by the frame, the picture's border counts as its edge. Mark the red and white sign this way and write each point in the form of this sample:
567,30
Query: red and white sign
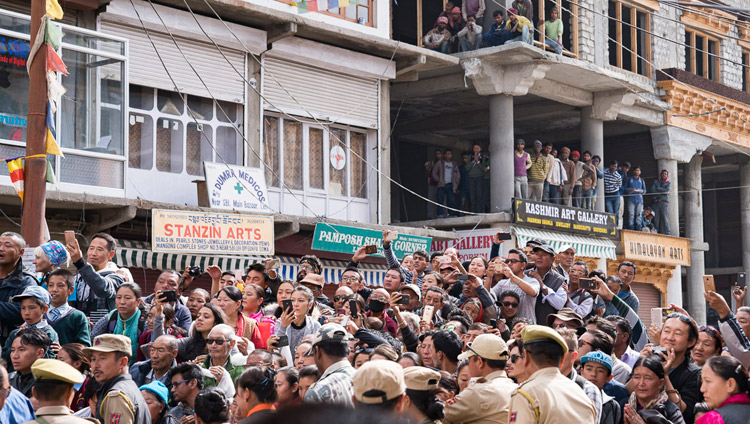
473,243
338,158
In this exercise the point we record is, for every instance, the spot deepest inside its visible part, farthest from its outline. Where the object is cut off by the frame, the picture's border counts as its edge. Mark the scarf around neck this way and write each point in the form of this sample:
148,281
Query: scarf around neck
660,399
129,329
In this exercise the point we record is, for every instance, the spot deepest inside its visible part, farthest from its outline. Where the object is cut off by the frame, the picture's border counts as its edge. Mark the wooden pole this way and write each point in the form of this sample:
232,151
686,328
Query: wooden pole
35,169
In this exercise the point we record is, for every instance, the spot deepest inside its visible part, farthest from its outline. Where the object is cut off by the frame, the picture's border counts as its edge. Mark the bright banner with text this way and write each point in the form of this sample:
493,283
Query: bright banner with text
473,243
343,239
236,187
211,233
564,218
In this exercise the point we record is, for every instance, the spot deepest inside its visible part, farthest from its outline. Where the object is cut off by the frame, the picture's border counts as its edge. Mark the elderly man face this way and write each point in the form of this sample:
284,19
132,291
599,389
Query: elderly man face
340,297
10,250
219,343
162,353
567,257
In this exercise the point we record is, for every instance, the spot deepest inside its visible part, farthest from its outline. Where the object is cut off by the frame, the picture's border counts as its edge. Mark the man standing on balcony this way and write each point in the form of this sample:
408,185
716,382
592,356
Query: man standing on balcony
553,31
448,177
612,184
537,172
566,189
522,163
432,184
660,207
473,7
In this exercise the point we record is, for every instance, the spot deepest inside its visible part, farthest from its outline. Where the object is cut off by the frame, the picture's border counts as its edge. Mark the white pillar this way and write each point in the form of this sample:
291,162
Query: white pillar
501,153
592,139
674,207
745,215
674,287
694,231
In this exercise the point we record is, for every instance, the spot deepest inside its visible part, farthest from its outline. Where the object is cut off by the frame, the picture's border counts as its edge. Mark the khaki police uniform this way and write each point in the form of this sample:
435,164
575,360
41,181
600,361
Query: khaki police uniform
487,400
547,396
421,379
56,370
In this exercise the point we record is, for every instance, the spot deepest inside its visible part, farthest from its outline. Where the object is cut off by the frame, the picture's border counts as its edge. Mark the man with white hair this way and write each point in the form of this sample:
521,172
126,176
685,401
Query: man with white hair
221,372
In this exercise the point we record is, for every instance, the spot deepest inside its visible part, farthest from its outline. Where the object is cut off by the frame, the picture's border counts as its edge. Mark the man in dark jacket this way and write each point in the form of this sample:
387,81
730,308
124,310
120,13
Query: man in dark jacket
162,354
13,280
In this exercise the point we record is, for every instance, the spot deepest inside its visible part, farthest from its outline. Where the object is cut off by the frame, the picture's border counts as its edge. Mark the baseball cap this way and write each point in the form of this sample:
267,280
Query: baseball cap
158,388
599,357
544,248
535,242
376,382
55,369
110,343
414,288
421,378
314,279
487,346
537,143
541,333
331,331
33,291
565,247
565,314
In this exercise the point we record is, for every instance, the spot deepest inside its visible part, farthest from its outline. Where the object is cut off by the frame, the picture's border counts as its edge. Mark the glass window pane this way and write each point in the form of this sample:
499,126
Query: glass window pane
169,102
233,110
627,39
358,143
293,154
14,91
337,181
201,108
688,52
141,135
315,158
141,97
271,149
712,59
169,139
363,14
78,125
351,12
199,139
229,145
700,45
613,24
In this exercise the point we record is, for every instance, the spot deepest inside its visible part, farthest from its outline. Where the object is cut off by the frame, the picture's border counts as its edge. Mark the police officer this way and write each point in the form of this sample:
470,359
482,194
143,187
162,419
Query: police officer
53,389
548,396
119,401
488,399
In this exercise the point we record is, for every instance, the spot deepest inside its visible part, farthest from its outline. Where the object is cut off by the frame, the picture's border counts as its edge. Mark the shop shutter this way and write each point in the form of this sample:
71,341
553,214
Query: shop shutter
329,95
146,69
649,297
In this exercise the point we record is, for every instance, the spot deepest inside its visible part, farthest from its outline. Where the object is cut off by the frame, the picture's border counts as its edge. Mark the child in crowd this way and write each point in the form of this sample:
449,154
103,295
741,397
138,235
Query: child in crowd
34,304
71,325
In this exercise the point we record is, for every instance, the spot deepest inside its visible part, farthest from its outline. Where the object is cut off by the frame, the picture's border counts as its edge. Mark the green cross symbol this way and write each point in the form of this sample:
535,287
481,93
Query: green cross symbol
239,188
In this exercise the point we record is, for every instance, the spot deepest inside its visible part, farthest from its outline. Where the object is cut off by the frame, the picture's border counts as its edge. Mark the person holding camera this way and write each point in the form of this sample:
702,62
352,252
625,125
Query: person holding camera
166,285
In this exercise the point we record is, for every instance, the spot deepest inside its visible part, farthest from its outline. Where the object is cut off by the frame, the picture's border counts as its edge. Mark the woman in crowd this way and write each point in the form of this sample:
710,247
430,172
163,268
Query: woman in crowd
128,319
422,390
156,396
286,288
515,367
709,344
478,267
211,407
725,389
649,401
256,394
49,257
473,307
300,352
194,346
229,299
252,304
463,375
296,323
361,356
287,388
431,279
384,352
73,355
410,359
196,300
448,386
171,329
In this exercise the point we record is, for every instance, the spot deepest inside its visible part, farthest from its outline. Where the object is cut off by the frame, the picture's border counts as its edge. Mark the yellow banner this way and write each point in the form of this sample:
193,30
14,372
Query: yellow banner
659,248
211,233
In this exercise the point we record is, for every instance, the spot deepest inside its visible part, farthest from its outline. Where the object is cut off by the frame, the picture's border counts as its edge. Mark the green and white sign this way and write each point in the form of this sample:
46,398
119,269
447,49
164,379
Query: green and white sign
343,239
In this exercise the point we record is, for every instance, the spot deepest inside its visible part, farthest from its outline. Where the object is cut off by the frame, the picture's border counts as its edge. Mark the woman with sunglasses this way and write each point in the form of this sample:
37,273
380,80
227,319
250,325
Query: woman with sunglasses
194,346
709,345
725,388
649,401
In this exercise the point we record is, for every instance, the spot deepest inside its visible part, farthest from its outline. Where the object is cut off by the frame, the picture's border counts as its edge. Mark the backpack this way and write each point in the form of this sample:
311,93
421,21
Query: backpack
112,323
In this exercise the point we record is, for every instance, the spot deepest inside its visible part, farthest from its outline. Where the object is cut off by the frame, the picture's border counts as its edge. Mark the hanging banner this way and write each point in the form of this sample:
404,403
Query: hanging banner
659,248
473,243
343,239
211,233
564,218
236,187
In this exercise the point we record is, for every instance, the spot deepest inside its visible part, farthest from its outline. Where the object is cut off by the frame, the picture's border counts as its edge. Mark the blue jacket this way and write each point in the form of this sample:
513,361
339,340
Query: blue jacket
663,189
10,313
635,184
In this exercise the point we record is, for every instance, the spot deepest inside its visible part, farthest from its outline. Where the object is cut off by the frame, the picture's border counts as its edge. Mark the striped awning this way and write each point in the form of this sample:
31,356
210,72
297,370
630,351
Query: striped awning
590,247
138,254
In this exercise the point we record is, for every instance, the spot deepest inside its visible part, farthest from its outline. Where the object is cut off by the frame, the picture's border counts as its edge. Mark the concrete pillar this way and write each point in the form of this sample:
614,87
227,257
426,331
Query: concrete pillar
674,202
592,139
745,215
384,156
694,231
674,287
501,153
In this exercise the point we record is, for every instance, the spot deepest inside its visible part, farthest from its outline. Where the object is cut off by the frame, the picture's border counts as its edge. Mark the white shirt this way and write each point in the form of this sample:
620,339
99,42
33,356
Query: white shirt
527,305
448,172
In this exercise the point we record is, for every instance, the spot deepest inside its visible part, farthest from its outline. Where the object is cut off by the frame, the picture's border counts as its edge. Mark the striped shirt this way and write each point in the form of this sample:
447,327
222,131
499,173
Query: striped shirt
612,182
538,171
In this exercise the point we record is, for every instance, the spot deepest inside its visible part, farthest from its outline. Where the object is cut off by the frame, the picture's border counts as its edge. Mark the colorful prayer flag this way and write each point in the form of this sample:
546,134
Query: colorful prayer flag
52,147
15,169
302,7
55,62
333,4
312,6
51,174
343,3
52,34
54,10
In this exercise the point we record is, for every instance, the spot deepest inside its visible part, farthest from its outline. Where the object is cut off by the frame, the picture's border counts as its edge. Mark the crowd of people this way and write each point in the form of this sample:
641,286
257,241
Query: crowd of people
512,339
547,175
458,29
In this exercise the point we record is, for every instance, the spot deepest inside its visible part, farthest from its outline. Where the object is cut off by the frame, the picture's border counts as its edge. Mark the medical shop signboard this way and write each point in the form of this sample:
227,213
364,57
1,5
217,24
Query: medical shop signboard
236,187
343,239
211,233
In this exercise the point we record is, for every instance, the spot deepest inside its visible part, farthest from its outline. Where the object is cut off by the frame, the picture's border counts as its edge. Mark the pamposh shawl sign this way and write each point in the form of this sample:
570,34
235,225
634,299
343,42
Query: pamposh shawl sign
343,239
211,233
564,218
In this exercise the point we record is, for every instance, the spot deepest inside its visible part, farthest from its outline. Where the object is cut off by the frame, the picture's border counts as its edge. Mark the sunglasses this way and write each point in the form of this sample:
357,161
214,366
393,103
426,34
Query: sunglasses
510,304
514,358
583,342
338,298
512,261
217,341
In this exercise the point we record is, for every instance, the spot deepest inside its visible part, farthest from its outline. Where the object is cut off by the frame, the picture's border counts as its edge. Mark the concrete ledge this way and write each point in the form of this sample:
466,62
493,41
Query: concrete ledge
461,223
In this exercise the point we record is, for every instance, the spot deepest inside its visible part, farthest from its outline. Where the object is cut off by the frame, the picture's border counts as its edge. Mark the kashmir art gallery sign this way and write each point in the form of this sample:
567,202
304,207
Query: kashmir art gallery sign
343,239
564,218
211,233
236,187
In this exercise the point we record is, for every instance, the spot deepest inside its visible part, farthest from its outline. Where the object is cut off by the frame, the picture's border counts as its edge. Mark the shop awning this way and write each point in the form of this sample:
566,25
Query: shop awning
138,254
590,247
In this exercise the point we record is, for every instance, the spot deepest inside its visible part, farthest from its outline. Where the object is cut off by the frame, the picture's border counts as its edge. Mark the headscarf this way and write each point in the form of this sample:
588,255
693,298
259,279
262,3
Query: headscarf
56,253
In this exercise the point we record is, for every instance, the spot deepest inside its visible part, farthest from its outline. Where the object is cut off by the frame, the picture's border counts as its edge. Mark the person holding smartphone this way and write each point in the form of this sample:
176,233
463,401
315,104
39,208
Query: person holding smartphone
167,285
514,279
